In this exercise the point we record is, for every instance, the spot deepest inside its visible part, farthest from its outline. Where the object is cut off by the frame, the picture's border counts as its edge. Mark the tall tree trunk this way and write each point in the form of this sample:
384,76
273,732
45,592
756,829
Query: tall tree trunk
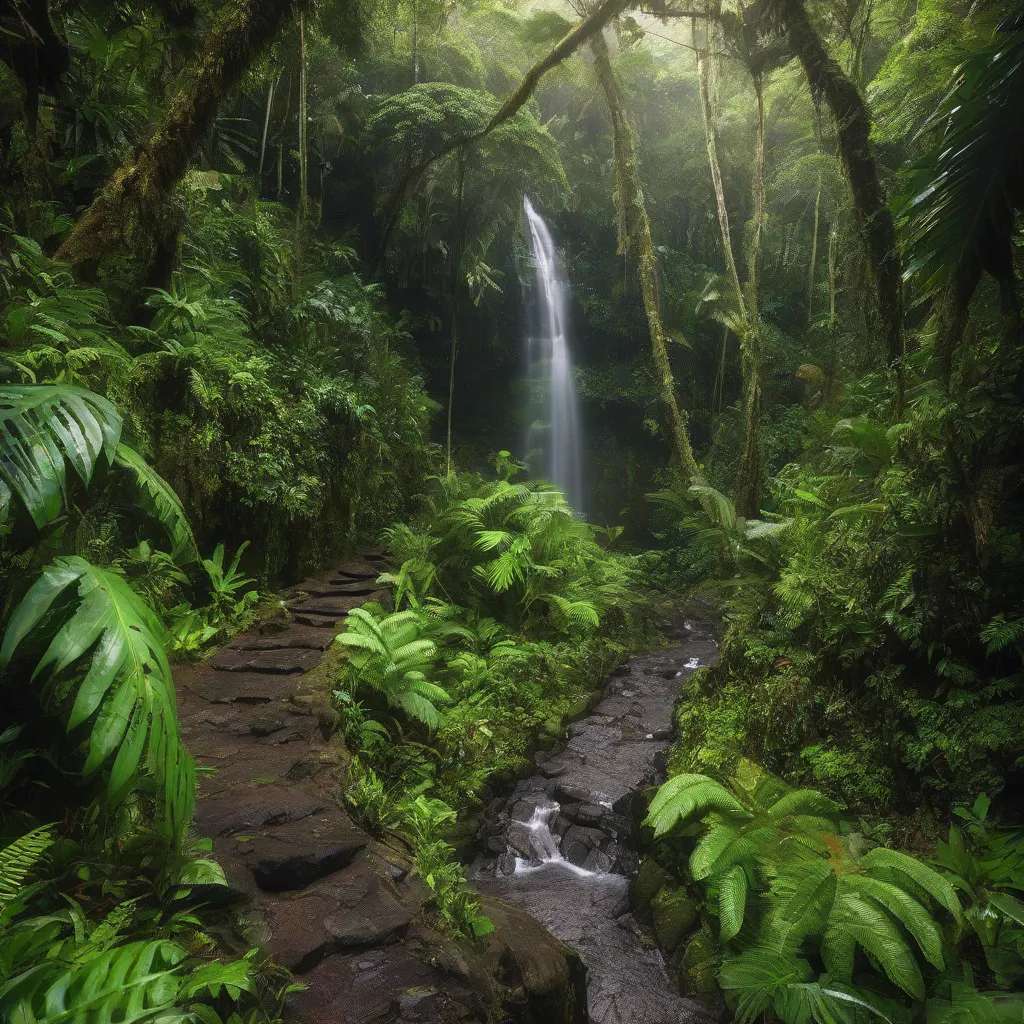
263,141
853,124
708,117
747,484
300,206
132,212
635,233
748,479
814,253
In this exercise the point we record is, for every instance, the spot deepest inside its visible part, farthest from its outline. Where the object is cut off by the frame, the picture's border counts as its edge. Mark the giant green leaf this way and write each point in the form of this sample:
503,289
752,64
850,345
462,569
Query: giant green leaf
44,429
126,694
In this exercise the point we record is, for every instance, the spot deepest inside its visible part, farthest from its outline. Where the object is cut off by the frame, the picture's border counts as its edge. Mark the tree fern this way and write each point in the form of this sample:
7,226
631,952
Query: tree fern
126,694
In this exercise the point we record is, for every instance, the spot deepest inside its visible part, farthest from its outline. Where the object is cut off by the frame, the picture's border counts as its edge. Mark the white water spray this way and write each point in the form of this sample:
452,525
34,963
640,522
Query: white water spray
550,368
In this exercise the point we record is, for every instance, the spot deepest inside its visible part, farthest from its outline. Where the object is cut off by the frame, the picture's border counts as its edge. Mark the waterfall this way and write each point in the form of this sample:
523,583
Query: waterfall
557,433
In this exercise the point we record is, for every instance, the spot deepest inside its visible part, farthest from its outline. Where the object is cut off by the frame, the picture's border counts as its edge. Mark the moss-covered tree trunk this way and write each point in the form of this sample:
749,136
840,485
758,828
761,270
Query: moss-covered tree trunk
132,215
853,124
748,480
635,234
746,488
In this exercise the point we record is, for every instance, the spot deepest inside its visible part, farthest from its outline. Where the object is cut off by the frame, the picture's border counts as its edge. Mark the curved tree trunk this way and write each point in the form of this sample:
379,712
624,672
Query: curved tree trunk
132,213
853,124
635,233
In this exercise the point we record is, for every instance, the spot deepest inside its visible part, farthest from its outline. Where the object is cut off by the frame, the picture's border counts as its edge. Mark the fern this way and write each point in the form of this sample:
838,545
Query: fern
20,859
391,656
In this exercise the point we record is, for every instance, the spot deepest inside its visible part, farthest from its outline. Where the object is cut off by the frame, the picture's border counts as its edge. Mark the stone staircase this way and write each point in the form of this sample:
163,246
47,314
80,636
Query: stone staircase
340,909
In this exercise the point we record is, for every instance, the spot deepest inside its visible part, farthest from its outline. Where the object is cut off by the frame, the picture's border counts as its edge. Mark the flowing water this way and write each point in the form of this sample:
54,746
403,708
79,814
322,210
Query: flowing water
563,846
555,423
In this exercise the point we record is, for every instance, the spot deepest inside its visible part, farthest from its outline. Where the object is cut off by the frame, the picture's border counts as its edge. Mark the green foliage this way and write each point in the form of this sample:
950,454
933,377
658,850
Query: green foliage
391,656
126,695
814,925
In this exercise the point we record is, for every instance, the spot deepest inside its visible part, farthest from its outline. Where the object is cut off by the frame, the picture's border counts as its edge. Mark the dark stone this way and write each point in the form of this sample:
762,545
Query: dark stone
597,861
674,914
244,687
579,841
294,856
336,606
341,588
250,810
358,570
280,662
294,637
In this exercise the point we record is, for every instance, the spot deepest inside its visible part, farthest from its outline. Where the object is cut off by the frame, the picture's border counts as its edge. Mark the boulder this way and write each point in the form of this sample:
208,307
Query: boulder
674,914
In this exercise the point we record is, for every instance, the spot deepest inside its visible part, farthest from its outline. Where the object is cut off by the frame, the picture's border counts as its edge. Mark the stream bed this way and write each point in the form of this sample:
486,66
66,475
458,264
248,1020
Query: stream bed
562,846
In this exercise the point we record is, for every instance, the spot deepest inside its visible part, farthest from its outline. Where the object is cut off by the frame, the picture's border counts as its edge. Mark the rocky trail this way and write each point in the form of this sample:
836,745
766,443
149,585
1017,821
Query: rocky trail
563,847
318,894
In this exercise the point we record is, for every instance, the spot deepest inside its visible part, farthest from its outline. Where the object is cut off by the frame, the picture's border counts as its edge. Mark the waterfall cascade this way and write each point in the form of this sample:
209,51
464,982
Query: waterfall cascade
555,424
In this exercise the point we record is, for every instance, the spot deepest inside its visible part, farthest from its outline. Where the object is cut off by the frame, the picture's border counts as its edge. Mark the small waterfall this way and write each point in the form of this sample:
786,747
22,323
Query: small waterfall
550,369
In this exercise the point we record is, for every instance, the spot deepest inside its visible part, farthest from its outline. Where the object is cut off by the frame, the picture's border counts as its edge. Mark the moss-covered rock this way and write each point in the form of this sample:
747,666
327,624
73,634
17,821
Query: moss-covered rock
649,880
699,964
674,914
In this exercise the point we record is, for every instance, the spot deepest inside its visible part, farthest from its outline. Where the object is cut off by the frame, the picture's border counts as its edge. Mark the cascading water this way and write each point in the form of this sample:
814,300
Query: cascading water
556,434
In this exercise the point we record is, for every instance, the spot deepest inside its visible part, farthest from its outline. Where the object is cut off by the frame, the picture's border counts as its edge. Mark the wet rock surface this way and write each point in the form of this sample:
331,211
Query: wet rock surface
317,893
563,843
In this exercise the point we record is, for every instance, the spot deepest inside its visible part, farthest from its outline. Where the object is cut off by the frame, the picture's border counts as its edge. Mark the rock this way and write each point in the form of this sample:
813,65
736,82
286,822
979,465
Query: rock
339,607
699,964
674,914
280,662
524,956
348,909
357,570
294,856
597,861
341,588
579,841
589,814
294,637
254,809
244,687
649,880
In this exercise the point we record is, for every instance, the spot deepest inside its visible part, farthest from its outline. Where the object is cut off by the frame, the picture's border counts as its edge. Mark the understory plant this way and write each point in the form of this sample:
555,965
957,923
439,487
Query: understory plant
811,921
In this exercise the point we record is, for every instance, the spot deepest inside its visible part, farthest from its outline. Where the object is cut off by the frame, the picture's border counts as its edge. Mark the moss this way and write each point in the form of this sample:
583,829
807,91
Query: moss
649,881
698,965
674,913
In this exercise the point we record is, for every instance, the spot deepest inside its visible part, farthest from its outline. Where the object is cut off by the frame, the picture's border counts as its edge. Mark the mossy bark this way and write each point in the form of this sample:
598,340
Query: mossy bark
853,125
635,235
133,216
746,489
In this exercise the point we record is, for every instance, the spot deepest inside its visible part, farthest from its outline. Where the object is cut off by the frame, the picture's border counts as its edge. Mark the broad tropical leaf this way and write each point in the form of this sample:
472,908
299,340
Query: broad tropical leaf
159,499
44,429
126,694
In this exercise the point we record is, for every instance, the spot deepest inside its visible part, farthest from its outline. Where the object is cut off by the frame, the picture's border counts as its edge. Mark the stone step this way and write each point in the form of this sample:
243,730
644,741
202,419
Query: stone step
341,588
295,855
290,638
254,809
337,606
320,620
350,909
282,662
358,570
245,687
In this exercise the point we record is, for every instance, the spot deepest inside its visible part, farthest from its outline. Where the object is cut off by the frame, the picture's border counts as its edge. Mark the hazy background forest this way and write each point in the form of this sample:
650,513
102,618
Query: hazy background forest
265,283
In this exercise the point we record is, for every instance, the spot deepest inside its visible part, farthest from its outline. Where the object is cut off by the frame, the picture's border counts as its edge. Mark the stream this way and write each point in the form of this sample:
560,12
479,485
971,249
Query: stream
563,847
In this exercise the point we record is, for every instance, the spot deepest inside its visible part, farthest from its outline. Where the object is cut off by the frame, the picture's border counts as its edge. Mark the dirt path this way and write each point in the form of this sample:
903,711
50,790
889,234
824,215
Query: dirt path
319,895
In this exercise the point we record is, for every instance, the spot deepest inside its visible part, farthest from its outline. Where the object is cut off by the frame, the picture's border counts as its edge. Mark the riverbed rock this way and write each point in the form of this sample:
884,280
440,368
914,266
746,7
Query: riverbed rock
674,913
